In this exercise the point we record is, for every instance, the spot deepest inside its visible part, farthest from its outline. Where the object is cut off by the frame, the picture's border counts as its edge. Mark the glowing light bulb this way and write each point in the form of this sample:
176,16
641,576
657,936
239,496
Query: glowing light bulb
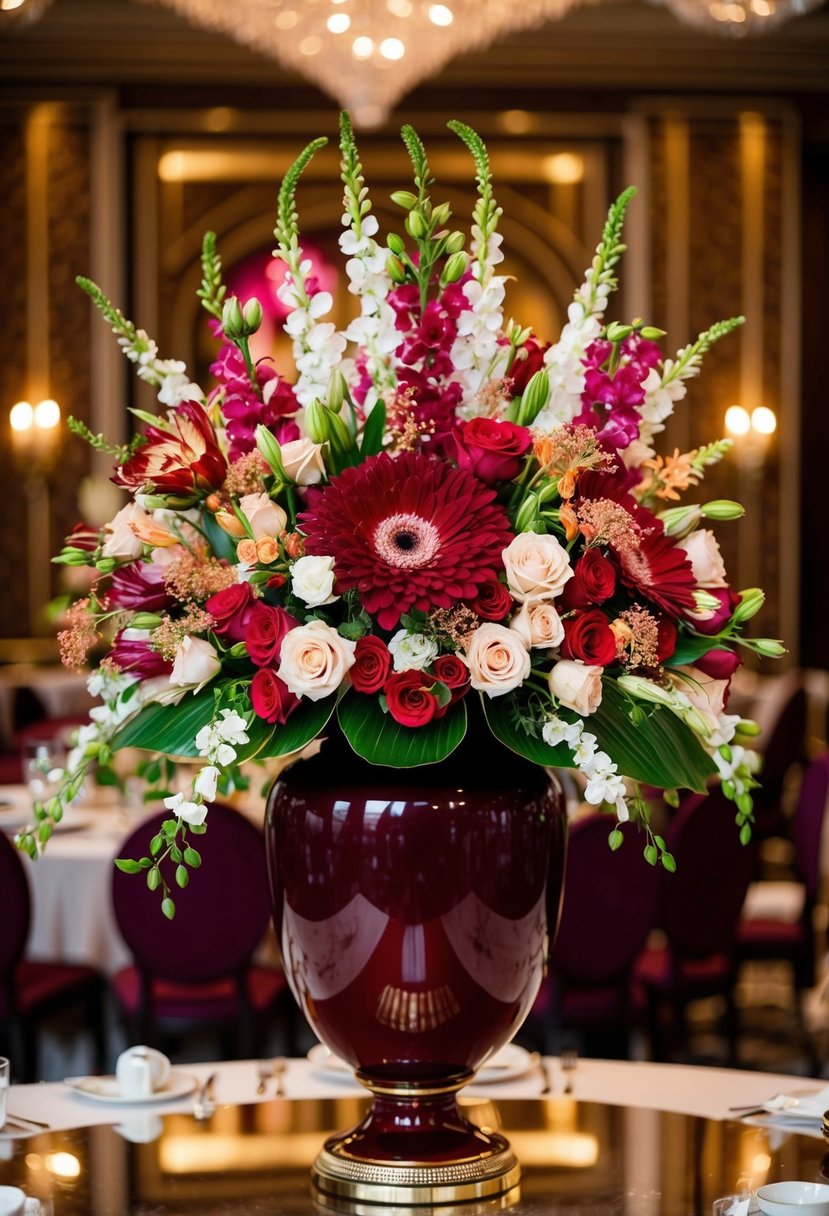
440,14
737,420
339,23
392,48
8,5
764,420
21,416
400,8
47,414
362,47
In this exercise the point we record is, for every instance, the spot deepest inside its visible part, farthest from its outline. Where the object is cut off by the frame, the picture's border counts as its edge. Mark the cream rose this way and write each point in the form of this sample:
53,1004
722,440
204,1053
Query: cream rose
705,558
312,580
537,566
195,662
302,461
577,686
497,659
121,541
315,660
266,518
538,624
412,651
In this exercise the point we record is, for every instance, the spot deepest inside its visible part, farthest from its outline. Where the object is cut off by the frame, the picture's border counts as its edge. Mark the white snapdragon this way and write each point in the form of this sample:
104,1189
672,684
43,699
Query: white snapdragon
219,739
169,376
375,330
477,354
317,346
412,651
206,782
563,360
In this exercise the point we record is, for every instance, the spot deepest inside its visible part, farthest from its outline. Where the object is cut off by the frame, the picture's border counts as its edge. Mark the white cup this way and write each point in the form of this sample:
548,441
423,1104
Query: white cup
5,1078
141,1071
12,1201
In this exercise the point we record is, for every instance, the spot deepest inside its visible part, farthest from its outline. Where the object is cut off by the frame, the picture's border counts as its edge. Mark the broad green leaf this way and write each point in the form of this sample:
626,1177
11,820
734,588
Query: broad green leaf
168,728
379,739
304,724
690,647
221,543
498,713
373,430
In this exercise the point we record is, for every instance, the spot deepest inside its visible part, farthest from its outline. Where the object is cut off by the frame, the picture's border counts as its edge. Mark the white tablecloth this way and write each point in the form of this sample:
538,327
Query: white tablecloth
684,1089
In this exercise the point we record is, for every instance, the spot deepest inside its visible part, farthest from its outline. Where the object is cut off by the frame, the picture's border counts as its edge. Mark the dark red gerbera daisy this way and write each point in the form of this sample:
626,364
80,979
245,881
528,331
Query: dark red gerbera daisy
660,571
408,533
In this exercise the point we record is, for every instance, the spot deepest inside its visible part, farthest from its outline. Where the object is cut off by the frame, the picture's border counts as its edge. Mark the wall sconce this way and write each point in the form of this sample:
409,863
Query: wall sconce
35,442
761,421
35,432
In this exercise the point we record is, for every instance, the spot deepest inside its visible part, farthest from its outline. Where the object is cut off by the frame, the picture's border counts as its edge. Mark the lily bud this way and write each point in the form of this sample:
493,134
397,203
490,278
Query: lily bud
229,523
536,396
317,419
455,242
145,620
769,648
395,270
722,508
679,521
395,243
252,313
751,601
705,601
106,565
416,225
270,451
693,719
455,267
404,198
71,557
337,389
748,728
233,322
646,690
441,213
652,333
617,332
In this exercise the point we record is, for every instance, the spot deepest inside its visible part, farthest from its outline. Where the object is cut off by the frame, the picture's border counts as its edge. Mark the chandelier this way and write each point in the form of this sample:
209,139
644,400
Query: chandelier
367,53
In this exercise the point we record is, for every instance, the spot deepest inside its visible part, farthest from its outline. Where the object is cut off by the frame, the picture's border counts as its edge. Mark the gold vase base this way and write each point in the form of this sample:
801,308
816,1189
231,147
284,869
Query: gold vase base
344,1184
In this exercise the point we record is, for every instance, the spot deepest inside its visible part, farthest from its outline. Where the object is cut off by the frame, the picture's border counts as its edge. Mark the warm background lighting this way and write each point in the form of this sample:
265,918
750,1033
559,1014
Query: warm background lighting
47,414
21,416
737,420
764,420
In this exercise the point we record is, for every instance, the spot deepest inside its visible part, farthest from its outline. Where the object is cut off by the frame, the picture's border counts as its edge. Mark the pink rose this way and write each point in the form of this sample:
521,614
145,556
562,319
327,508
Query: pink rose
705,558
538,624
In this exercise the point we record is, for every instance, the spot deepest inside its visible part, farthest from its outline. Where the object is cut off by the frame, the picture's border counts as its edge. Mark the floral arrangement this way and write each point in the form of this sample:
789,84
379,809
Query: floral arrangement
441,505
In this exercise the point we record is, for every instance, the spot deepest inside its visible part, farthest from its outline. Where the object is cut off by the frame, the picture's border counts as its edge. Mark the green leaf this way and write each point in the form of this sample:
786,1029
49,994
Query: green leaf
498,713
127,865
221,544
303,725
690,647
379,739
192,857
168,908
373,430
168,728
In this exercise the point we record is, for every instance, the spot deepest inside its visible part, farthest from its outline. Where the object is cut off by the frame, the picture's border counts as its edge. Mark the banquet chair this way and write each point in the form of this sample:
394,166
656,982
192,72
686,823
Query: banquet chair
699,909
610,906
195,972
32,993
785,747
765,937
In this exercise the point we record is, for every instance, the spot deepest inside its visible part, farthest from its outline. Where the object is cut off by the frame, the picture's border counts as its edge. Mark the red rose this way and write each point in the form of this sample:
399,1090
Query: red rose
491,450
718,618
372,664
492,602
666,639
528,360
265,630
270,697
593,581
231,610
409,700
454,673
718,664
588,636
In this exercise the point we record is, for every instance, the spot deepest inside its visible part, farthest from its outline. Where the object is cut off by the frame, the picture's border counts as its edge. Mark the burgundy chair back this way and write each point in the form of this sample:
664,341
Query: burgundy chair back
701,902
808,823
610,903
785,745
15,906
220,917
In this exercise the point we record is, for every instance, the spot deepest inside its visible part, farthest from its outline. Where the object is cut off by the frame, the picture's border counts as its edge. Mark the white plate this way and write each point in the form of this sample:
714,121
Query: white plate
105,1089
808,1106
510,1062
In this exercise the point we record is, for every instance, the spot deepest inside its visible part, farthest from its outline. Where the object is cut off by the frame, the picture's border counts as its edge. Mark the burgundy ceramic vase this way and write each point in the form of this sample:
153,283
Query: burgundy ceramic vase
414,909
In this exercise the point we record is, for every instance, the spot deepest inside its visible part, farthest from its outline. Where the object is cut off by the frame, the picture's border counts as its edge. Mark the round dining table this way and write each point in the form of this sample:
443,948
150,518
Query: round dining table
612,1137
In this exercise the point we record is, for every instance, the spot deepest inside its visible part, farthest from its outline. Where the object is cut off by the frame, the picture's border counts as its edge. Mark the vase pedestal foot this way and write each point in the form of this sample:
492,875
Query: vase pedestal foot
415,1150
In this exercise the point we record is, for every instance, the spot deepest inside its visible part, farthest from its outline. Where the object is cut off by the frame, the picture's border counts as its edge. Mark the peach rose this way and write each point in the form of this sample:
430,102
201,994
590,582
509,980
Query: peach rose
196,662
302,461
538,624
704,692
267,550
265,517
497,659
246,551
315,660
537,566
577,686
705,558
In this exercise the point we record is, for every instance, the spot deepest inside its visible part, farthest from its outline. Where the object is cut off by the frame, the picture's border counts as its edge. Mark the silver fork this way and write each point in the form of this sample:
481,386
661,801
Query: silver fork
280,1067
264,1071
569,1061
203,1103
547,1076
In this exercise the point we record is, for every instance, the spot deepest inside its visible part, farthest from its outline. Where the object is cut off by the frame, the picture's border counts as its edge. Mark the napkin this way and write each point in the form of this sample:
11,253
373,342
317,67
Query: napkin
808,1107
